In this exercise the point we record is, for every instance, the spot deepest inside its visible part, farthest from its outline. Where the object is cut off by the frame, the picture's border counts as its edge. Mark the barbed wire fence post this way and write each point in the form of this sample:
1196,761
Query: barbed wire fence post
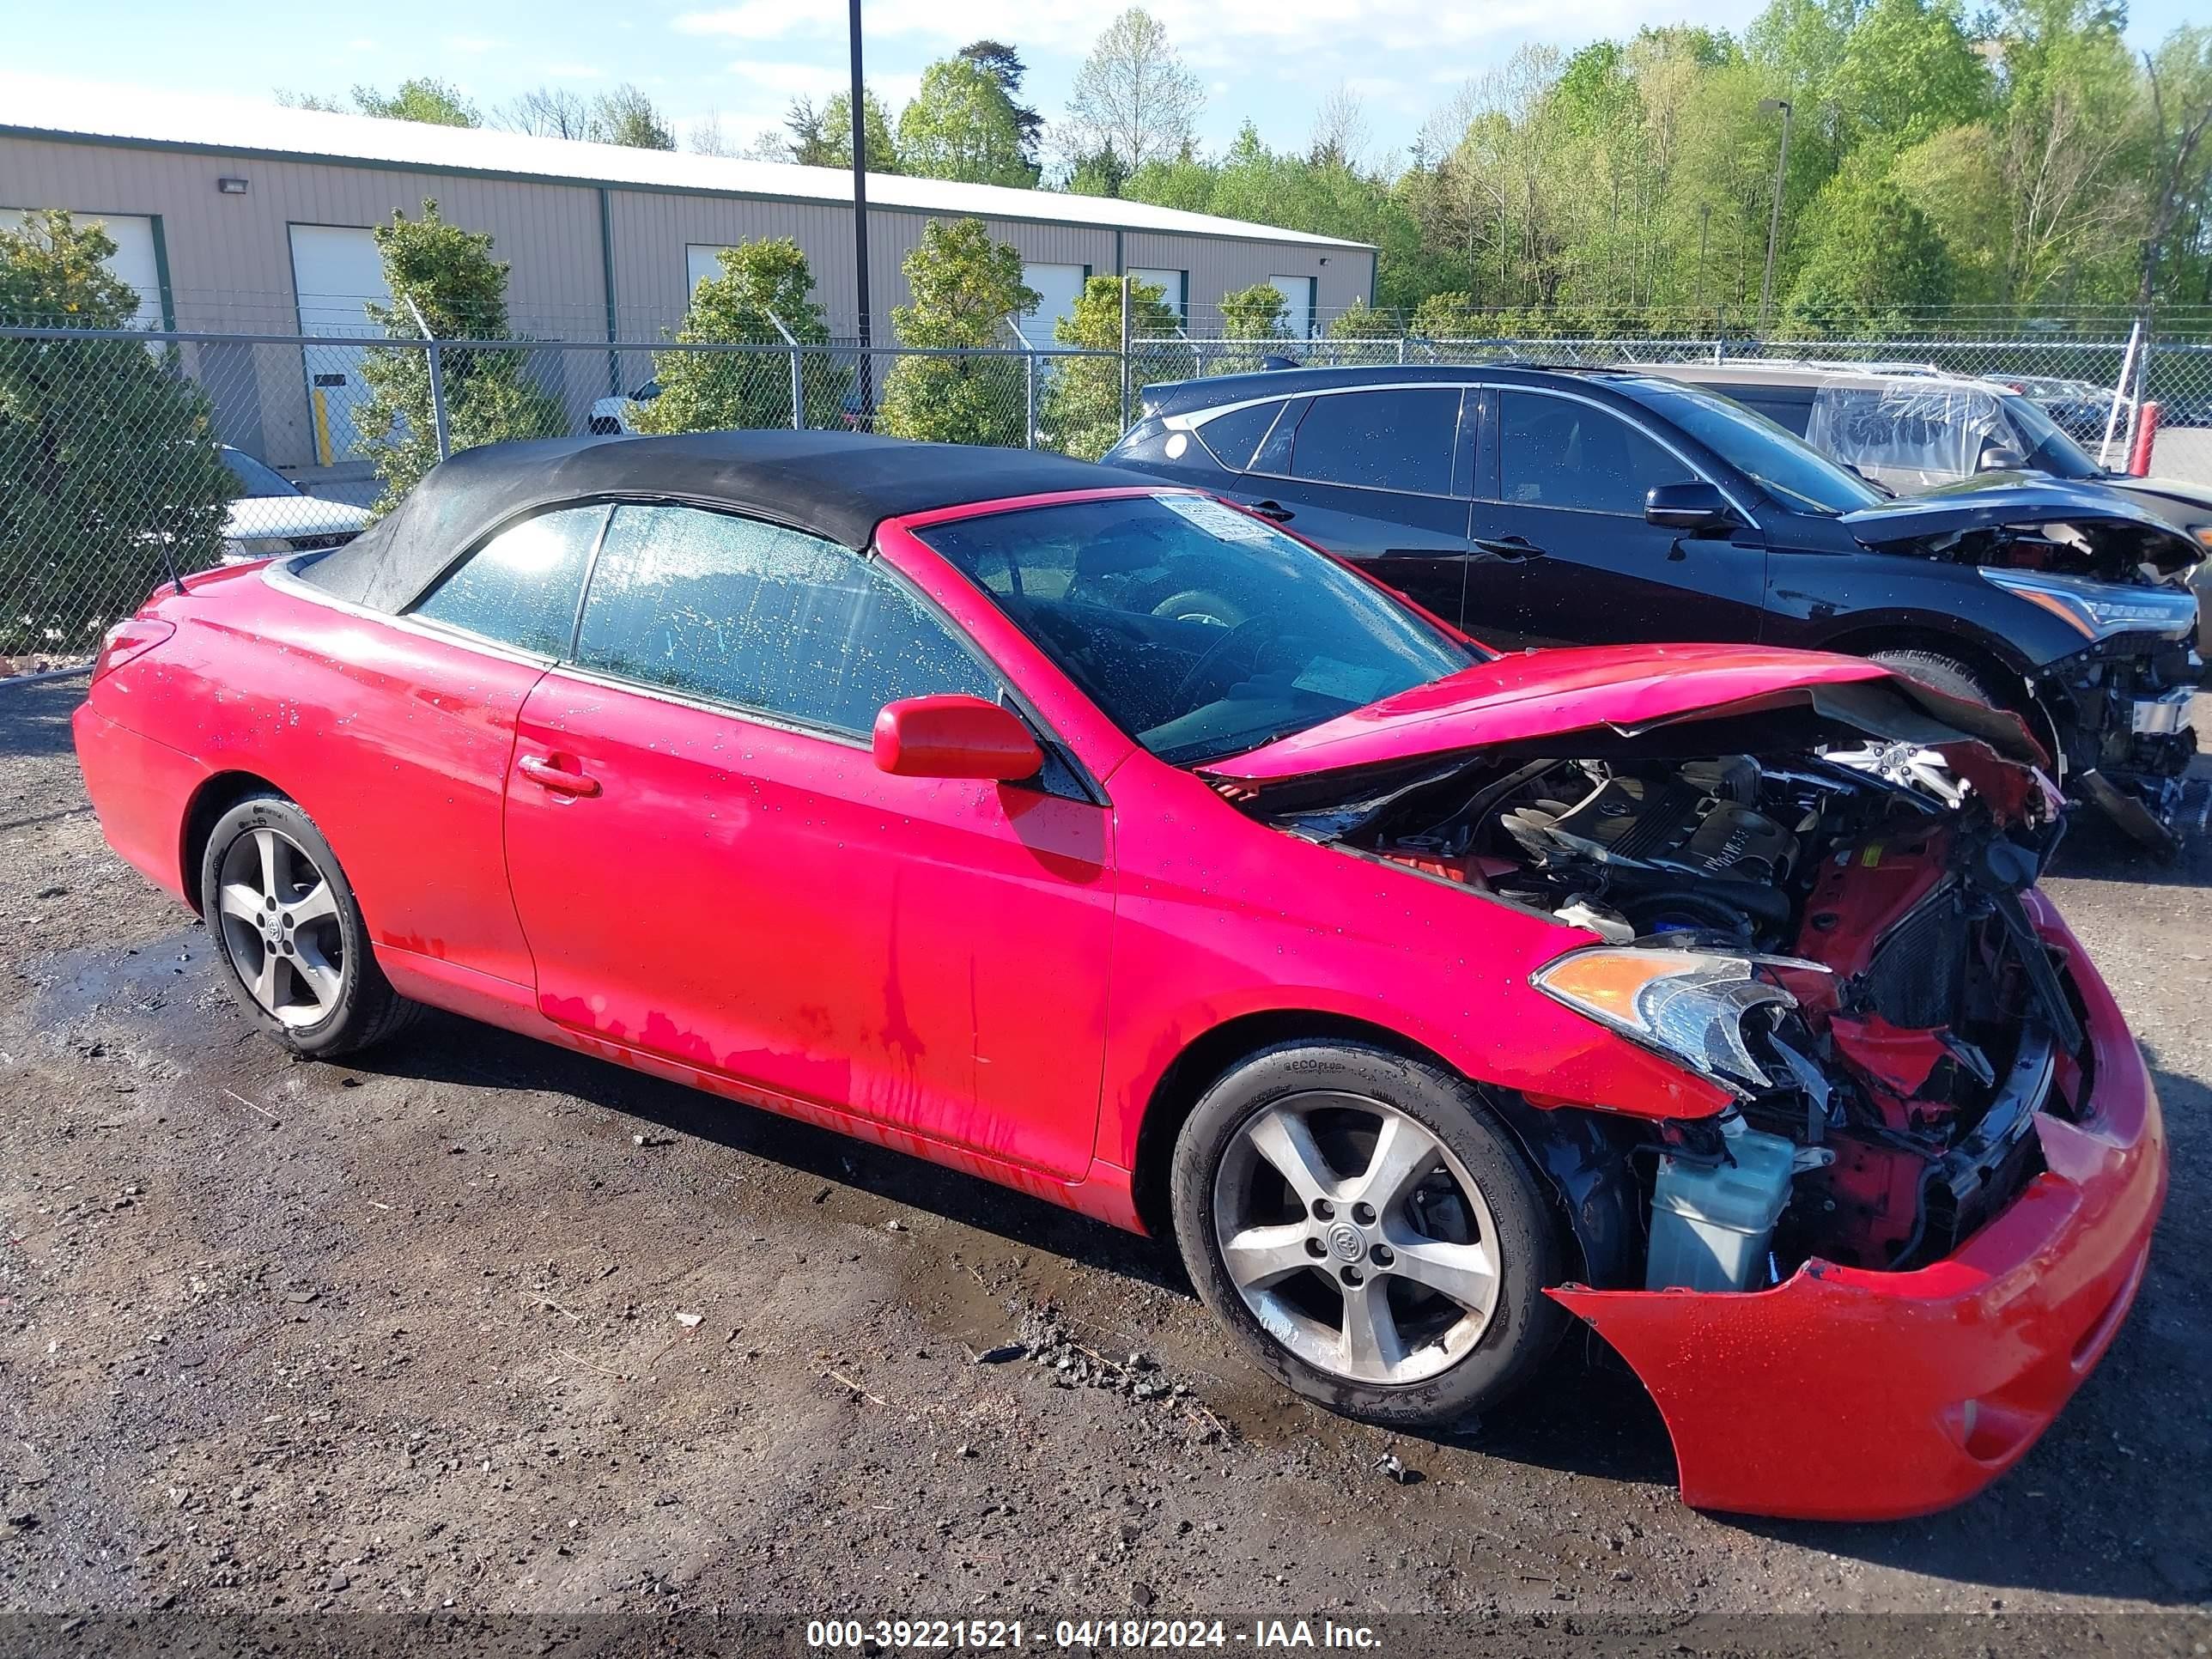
440,430
1029,383
798,376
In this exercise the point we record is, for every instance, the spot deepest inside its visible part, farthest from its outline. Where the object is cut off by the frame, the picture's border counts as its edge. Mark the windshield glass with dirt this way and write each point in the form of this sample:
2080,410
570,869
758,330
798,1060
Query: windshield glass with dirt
1200,630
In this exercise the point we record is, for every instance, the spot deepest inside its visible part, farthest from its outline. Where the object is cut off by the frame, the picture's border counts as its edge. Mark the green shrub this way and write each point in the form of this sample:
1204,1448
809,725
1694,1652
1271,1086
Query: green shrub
461,291
965,288
109,473
1082,411
717,391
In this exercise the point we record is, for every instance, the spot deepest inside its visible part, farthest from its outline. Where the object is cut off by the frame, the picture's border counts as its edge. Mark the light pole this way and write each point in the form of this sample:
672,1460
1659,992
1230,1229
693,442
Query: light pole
861,214
1774,220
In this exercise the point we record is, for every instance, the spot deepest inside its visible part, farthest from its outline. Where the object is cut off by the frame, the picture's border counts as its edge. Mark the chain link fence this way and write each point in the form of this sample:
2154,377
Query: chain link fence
127,457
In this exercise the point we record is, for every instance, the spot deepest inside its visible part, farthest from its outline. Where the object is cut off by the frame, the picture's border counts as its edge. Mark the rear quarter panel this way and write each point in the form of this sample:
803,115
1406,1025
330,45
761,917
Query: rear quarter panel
395,741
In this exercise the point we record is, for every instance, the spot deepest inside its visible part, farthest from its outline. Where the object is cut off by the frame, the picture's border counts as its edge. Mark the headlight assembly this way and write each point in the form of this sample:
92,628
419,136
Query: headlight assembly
2099,611
1689,1006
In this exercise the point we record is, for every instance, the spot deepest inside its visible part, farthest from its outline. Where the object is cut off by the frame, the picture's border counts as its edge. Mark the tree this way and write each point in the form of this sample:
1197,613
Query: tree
109,472
425,98
1100,172
1876,261
546,112
1004,64
1340,131
1133,98
761,284
2180,112
447,275
706,136
962,126
624,115
1082,412
291,99
965,289
823,137
1908,71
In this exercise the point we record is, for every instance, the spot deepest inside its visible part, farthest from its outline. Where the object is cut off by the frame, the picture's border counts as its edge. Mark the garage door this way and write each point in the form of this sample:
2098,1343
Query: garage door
700,261
134,259
1298,294
336,275
1172,284
1058,288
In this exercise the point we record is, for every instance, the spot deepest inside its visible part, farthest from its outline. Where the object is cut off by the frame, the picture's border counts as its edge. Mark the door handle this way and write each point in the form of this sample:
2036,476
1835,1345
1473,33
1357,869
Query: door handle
1275,510
560,781
1510,548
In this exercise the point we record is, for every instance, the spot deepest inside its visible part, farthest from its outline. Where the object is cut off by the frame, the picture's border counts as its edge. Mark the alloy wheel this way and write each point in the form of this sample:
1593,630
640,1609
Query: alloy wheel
279,918
1356,1237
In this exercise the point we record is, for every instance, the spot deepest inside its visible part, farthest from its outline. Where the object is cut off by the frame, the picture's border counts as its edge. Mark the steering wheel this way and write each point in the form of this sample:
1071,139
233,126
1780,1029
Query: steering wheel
1254,631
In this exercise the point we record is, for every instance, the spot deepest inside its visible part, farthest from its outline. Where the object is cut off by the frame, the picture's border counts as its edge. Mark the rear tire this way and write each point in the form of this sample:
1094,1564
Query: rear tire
1410,1310
292,934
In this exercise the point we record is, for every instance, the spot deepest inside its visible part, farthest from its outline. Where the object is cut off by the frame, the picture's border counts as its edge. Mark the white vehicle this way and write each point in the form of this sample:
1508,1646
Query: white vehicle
272,515
613,414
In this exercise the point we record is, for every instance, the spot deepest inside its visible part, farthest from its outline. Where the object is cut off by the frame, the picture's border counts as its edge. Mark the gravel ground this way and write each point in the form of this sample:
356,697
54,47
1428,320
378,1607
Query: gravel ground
483,1325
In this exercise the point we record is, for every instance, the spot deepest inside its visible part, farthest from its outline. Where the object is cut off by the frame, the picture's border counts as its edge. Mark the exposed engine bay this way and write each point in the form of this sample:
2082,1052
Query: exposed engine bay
1837,937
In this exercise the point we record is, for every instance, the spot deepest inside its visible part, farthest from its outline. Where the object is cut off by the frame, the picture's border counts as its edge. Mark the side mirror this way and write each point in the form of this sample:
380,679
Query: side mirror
2000,458
955,737
1691,507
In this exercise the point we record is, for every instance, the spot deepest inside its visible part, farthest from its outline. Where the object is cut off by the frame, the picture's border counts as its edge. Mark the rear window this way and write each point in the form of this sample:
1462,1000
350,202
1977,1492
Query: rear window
1231,438
1396,439
521,586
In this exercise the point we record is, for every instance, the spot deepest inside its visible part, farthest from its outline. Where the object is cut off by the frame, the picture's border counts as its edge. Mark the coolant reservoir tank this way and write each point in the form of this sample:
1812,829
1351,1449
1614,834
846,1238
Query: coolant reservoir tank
1710,1223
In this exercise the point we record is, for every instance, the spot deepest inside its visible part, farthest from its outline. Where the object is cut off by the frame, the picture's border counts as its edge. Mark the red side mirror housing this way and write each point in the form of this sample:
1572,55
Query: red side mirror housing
955,737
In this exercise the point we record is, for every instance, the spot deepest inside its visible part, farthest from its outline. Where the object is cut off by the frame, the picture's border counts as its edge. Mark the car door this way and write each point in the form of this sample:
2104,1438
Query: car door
1572,476
711,869
427,711
1376,476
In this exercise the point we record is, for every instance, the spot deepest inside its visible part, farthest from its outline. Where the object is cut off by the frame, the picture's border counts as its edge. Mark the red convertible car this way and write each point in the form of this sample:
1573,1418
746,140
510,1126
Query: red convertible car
1101,839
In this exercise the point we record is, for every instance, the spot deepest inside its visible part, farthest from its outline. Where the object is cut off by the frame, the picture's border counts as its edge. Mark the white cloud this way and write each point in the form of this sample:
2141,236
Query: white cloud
751,20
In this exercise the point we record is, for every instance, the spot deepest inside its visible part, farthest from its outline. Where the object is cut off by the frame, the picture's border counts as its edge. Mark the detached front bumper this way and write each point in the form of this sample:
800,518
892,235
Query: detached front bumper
1849,1394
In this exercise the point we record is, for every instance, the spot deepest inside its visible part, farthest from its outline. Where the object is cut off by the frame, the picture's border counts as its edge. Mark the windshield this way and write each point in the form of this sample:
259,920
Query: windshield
257,478
1785,466
2048,449
1197,629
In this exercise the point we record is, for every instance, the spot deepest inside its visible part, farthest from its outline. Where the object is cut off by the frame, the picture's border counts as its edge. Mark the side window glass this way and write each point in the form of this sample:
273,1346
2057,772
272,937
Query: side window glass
1274,454
1232,437
1560,452
521,586
1396,439
765,618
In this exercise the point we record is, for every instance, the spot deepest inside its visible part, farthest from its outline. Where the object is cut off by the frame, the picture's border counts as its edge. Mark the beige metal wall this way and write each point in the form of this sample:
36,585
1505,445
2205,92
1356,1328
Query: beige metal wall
230,263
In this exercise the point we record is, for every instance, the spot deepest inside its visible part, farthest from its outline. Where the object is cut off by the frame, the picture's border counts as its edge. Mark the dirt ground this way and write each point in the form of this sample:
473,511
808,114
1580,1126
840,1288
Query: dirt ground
481,1325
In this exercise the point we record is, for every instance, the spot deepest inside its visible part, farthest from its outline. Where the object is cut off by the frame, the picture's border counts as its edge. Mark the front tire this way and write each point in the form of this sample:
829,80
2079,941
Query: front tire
1944,673
1369,1231
292,934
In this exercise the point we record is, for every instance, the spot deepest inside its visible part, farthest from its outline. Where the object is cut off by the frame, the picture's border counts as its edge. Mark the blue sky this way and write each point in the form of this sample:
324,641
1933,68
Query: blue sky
1273,61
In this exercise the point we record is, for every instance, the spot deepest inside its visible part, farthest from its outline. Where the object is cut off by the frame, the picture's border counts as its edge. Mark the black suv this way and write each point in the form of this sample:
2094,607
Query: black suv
1535,504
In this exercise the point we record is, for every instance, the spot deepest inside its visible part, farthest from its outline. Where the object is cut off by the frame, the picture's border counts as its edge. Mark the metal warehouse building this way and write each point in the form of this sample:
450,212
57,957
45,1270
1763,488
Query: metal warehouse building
233,217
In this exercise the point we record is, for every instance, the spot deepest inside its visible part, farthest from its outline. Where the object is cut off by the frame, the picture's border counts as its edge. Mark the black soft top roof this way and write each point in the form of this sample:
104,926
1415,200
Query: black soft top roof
838,485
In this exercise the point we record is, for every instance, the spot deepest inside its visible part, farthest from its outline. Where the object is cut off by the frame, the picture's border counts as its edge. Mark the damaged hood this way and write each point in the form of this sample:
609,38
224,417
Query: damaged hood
1532,695
2130,532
